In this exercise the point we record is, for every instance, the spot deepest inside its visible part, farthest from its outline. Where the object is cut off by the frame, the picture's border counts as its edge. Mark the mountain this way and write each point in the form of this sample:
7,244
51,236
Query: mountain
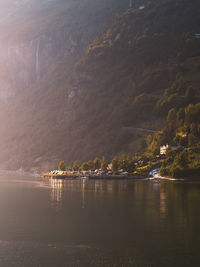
121,79
40,42
85,98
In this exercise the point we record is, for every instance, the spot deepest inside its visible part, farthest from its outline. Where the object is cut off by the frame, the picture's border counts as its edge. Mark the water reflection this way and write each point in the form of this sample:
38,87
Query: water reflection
157,199
57,192
111,223
163,204
60,187
83,193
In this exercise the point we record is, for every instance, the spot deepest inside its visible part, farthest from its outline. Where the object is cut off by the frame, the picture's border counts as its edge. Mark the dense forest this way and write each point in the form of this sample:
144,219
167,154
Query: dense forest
139,73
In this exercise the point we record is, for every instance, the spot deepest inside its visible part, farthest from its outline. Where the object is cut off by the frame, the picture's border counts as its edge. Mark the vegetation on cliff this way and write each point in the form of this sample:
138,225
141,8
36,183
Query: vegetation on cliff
134,74
139,75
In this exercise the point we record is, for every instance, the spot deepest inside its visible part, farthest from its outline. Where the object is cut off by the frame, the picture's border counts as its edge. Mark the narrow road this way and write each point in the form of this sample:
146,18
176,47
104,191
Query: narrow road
134,129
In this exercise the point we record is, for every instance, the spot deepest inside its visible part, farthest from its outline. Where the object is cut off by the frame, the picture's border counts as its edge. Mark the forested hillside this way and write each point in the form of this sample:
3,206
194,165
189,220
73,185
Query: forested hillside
145,63
132,75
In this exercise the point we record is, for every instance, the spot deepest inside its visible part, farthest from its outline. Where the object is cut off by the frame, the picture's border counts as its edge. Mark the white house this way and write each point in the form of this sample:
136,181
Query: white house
163,149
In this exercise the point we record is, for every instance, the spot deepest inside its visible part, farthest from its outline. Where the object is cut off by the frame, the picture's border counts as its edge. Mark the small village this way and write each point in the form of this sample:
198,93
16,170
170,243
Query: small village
142,169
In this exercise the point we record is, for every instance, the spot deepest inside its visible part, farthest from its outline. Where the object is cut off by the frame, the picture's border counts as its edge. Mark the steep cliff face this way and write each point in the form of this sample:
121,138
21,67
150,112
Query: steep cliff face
24,58
35,33
25,63
40,43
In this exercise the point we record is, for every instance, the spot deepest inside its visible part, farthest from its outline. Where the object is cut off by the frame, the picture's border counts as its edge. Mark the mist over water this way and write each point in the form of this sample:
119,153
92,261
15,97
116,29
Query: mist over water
98,223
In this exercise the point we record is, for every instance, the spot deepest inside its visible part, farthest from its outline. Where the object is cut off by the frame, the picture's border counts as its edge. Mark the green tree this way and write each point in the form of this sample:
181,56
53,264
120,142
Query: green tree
115,164
190,94
69,168
192,113
75,166
126,163
90,165
149,140
130,166
171,115
62,165
194,129
85,166
180,117
154,145
104,164
192,140
182,160
97,163
122,162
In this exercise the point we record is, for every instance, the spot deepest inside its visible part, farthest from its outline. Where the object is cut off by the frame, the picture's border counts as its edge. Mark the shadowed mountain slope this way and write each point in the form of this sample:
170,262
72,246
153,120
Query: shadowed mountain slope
82,112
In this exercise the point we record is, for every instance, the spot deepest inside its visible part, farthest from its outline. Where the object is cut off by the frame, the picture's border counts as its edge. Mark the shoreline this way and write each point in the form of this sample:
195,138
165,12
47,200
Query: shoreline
158,177
100,177
91,177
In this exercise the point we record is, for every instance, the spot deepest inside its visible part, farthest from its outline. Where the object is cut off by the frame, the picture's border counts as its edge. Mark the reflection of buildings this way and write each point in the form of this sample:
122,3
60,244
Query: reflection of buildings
83,193
109,186
163,204
161,190
57,189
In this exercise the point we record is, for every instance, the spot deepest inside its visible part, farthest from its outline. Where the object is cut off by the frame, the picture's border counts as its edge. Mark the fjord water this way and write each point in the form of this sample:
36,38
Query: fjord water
98,223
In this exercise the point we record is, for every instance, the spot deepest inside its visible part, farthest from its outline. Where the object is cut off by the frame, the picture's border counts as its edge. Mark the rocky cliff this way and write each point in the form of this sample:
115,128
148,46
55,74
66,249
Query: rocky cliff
40,41
35,33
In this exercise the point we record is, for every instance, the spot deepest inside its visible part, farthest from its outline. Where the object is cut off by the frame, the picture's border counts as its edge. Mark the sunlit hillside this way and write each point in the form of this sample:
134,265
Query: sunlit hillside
96,85
39,43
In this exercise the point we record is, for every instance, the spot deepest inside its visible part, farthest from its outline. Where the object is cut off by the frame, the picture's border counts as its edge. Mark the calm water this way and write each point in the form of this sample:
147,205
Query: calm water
98,223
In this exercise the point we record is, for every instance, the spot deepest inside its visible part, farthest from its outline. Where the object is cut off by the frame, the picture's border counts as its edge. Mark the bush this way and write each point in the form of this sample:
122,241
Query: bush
62,166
